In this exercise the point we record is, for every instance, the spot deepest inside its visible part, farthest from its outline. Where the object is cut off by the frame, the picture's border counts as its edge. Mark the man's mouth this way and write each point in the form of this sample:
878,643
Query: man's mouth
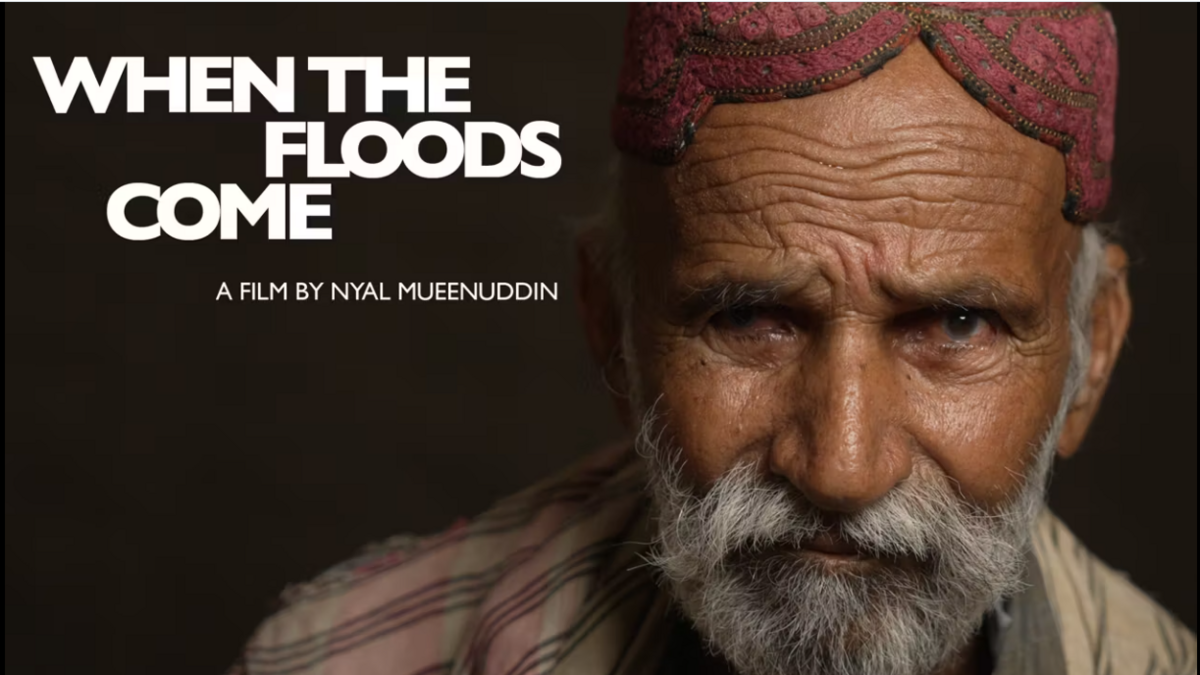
831,546
826,549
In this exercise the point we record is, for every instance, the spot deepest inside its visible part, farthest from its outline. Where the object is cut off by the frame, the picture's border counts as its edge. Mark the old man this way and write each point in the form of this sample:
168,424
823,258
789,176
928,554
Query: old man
851,303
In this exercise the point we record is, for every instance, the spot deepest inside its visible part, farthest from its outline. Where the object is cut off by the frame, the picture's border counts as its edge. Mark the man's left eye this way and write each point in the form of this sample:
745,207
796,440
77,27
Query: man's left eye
960,325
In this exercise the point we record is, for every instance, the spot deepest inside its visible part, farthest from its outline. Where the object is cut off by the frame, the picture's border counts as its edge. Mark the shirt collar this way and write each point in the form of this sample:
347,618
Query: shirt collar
1024,633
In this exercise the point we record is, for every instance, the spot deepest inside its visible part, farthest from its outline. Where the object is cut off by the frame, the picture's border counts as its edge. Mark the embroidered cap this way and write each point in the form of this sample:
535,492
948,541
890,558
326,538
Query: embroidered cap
1048,69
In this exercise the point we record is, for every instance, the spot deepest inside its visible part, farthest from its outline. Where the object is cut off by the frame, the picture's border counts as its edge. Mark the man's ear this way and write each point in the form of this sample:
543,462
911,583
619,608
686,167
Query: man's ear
1111,312
601,320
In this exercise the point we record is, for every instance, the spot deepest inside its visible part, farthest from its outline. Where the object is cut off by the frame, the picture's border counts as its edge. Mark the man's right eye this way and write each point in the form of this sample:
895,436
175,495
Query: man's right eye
741,317
751,321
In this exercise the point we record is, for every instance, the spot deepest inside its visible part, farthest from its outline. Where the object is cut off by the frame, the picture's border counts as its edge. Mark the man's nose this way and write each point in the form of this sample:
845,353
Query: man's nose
847,449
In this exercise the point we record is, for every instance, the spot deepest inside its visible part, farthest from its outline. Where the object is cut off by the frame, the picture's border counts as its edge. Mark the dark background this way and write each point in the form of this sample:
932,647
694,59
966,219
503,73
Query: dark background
171,462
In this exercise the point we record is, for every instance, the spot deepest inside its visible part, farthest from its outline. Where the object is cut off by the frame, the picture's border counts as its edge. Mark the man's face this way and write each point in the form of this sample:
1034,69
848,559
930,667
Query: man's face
841,283
851,298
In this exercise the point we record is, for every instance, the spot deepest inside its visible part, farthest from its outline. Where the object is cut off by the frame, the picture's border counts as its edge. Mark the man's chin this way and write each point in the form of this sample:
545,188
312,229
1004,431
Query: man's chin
847,612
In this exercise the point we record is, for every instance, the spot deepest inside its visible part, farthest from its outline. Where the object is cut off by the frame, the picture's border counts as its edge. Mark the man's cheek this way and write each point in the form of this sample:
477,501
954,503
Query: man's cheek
984,437
716,414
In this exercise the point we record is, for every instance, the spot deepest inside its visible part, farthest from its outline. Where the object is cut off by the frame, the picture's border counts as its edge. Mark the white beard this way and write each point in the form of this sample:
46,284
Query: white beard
770,613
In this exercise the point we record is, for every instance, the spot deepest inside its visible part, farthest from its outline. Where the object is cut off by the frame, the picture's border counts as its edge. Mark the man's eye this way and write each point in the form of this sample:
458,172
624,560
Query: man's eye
960,338
748,319
741,317
965,326
960,325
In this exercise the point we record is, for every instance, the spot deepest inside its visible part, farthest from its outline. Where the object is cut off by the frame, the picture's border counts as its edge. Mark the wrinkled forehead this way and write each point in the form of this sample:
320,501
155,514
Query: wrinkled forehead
905,152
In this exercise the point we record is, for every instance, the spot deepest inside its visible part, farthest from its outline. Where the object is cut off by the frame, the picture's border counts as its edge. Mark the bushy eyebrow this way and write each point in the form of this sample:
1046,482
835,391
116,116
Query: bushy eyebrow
723,294
1013,303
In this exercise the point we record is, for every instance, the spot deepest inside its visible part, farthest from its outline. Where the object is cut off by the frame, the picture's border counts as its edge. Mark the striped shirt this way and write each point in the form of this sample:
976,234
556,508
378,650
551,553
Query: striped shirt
552,580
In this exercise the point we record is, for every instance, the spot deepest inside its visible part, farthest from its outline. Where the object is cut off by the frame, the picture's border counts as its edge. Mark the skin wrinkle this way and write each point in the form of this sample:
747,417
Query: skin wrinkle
843,378
849,184
840,161
805,197
738,198
942,133
896,153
